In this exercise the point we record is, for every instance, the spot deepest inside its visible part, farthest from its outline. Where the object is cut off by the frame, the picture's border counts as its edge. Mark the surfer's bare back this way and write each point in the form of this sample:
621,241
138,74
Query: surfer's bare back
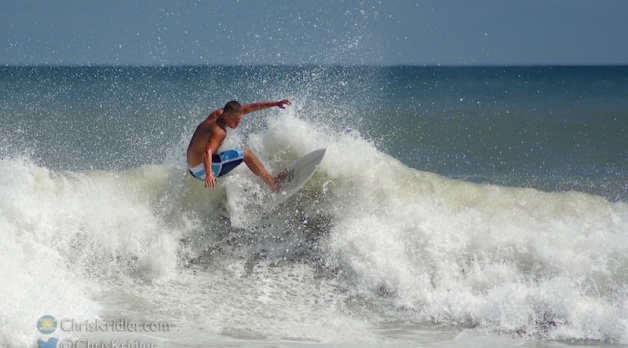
205,164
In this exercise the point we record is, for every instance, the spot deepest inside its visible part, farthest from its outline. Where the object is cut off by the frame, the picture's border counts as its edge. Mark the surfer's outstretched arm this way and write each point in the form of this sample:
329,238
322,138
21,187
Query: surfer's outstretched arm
248,108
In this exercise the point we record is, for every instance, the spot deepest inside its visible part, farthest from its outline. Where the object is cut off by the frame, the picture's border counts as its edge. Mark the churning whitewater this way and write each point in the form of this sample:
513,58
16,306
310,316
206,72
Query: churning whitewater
370,252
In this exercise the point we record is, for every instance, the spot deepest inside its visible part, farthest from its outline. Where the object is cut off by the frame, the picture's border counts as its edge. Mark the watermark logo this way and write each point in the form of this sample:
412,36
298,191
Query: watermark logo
47,324
51,343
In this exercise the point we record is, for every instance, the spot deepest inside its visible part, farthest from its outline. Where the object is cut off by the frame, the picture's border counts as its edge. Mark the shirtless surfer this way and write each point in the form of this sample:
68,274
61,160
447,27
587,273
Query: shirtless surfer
205,164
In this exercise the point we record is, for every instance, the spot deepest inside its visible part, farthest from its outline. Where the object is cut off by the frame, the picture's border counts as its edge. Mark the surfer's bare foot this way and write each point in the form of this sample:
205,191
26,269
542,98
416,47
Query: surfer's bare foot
281,178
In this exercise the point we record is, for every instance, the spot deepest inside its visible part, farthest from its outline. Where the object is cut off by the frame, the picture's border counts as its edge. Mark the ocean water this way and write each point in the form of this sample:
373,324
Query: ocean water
455,207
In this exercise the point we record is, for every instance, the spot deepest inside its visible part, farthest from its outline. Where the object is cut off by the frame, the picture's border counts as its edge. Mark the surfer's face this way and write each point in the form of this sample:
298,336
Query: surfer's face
233,120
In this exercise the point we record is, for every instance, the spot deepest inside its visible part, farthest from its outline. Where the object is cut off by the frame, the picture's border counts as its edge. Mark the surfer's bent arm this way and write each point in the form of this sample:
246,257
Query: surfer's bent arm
210,149
265,105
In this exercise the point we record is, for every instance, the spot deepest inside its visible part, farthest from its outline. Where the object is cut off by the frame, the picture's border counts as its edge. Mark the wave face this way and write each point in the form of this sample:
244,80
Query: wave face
372,251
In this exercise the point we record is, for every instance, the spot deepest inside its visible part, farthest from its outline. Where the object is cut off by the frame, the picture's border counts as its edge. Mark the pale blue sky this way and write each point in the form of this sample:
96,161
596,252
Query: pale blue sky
385,32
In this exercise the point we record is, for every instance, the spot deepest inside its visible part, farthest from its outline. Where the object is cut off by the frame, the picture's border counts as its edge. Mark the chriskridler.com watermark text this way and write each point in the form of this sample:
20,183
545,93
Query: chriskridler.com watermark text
122,325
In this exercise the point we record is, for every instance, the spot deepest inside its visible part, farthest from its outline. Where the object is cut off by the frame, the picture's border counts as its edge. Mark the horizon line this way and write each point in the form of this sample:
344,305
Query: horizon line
46,65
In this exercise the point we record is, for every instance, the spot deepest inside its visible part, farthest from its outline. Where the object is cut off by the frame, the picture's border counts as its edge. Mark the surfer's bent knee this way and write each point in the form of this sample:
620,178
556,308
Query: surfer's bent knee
247,153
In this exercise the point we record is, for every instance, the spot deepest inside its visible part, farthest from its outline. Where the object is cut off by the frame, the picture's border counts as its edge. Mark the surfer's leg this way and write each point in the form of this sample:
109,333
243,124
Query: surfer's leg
256,166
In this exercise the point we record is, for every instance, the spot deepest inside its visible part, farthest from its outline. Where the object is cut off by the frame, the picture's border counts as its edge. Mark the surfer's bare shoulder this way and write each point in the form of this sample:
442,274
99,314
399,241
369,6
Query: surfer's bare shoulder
207,134
210,127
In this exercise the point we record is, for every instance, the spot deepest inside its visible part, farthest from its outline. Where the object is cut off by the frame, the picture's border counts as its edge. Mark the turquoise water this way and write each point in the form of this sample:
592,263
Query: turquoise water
454,205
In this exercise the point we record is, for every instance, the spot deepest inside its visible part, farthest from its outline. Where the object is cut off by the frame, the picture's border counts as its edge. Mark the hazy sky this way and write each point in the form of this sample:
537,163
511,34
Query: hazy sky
372,32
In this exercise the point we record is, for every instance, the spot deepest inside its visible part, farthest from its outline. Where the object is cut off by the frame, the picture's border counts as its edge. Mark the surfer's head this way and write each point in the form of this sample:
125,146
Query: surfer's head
232,114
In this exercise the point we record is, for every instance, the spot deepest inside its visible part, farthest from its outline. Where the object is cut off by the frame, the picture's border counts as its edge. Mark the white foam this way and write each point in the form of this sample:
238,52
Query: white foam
36,279
66,235
391,243
539,264
509,259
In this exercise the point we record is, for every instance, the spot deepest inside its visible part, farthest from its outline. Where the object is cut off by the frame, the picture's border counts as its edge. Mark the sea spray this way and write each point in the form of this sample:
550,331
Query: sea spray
515,260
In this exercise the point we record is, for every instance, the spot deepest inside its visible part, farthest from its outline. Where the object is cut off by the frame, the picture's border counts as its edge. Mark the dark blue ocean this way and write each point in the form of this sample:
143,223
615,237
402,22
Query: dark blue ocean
454,205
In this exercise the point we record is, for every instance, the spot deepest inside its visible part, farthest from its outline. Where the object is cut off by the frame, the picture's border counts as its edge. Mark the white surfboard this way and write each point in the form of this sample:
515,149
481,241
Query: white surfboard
298,174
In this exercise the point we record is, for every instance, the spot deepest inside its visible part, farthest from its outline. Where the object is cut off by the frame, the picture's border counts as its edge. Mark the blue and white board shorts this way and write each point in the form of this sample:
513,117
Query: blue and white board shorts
222,164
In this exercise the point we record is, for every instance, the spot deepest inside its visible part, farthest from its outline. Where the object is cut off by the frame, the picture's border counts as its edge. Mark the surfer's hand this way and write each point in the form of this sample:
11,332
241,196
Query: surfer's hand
210,181
282,103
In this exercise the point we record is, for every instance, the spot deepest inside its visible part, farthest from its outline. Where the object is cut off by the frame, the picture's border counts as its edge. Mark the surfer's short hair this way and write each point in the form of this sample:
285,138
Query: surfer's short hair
232,107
